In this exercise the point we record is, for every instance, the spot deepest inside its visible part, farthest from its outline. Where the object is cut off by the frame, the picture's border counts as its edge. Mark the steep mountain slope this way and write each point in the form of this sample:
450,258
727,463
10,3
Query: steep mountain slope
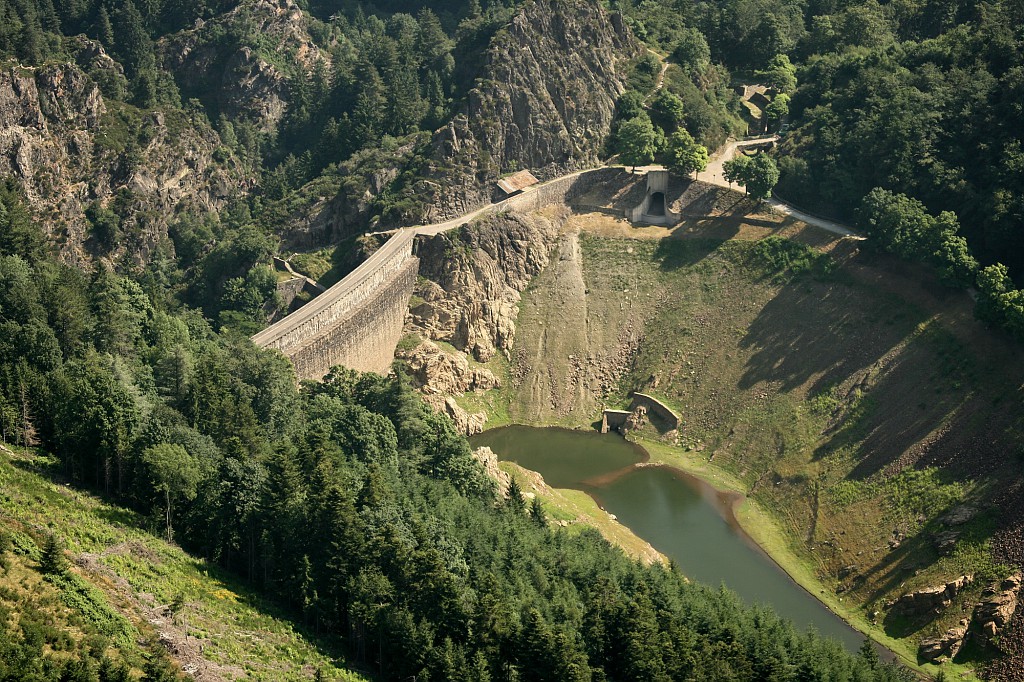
124,586
239,63
545,101
71,148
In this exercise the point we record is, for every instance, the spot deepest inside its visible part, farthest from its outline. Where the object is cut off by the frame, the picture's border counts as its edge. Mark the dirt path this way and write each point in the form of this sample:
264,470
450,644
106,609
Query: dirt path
661,74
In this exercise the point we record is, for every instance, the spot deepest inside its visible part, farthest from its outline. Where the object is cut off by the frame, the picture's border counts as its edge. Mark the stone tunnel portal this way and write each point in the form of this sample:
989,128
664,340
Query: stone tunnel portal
657,206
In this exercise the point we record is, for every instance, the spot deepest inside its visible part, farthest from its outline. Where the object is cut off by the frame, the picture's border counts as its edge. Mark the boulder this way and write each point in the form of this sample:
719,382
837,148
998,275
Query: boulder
945,647
930,599
997,607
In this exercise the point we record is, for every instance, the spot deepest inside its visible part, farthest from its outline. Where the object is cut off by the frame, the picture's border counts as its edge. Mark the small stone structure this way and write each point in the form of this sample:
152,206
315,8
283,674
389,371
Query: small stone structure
614,419
657,408
636,416
290,289
517,182
654,209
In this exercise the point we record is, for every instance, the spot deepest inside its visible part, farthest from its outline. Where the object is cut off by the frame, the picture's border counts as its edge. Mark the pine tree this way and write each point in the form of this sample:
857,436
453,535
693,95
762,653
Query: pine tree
52,561
368,115
537,512
104,29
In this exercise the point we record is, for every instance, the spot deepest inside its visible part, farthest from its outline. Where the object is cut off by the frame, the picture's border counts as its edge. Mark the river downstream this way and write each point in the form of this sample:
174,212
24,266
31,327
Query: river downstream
681,516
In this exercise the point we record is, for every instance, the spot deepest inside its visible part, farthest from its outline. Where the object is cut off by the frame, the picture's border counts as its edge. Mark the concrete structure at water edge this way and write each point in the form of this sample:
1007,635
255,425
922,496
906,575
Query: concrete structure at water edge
644,409
662,412
357,322
614,419
654,209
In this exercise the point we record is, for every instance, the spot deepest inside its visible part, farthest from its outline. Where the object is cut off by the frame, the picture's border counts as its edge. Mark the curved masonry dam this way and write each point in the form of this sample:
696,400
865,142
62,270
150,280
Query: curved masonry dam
358,322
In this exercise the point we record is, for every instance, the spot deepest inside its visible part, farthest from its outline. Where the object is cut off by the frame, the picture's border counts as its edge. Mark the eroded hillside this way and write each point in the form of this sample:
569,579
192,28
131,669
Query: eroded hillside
856,401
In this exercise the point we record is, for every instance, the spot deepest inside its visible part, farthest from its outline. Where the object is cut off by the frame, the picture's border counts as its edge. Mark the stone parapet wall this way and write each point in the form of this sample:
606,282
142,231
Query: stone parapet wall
365,338
561,190
338,302
657,408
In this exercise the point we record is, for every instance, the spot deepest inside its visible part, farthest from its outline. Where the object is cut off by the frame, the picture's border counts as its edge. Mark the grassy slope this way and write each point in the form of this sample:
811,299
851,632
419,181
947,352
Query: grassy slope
230,632
809,395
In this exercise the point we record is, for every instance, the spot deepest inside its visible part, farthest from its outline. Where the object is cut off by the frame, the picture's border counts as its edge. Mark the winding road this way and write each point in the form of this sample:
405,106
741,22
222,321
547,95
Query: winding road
714,175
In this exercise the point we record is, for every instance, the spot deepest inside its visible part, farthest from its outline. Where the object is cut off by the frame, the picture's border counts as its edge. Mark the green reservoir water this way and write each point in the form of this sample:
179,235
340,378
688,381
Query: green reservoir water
682,517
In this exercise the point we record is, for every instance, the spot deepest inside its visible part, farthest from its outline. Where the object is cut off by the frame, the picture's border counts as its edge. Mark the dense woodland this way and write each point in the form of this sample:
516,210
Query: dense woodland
349,501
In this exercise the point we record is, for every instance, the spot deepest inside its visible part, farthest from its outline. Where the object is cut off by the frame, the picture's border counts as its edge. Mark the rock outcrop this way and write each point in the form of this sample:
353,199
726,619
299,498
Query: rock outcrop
997,608
441,376
945,647
930,600
545,101
58,140
489,460
991,616
437,372
236,79
473,278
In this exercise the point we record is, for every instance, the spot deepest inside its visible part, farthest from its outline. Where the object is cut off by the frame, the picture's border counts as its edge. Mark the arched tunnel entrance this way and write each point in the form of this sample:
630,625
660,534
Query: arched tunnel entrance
657,205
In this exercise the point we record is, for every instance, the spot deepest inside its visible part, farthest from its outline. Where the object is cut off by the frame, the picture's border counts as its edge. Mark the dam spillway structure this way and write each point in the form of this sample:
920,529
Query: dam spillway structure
654,209
357,322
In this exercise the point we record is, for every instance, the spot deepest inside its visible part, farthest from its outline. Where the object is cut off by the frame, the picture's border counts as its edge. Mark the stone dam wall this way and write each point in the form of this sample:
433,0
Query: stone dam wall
362,306
358,322
366,339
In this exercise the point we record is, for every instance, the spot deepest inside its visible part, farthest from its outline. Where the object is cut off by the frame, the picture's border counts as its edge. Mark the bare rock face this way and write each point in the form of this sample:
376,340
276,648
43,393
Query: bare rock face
930,599
947,646
545,102
997,608
469,423
436,372
55,140
469,291
473,280
440,376
489,460
242,82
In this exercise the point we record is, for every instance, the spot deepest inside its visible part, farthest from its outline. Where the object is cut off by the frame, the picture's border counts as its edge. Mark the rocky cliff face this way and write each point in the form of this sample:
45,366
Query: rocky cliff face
469,291
235,79
545,102
68,149
472,279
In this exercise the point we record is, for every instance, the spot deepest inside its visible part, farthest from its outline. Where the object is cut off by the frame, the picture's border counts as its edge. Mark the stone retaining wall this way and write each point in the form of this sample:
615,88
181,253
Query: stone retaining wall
657,408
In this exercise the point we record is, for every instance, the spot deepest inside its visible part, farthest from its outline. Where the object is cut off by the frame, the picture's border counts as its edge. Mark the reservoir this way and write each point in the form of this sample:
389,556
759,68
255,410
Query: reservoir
682,517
